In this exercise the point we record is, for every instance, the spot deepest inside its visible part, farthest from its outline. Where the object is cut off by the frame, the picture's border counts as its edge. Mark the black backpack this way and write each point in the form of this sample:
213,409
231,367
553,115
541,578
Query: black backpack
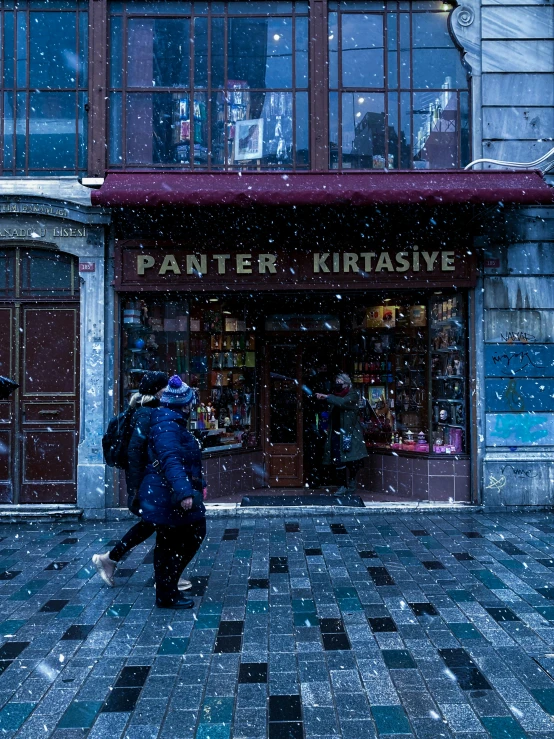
115,441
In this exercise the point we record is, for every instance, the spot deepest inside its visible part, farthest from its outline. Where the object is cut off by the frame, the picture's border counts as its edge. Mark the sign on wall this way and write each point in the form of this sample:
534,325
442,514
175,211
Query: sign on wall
166,268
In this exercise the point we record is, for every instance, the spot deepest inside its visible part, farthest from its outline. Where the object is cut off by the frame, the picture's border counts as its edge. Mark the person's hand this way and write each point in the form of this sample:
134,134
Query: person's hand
320,396
204,493
186,504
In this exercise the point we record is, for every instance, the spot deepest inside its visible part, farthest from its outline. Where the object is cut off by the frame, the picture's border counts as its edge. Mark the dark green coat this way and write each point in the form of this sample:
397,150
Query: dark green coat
349,425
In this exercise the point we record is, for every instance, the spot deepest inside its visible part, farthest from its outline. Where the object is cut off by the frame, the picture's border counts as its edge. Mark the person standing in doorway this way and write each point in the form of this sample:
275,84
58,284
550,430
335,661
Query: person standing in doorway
171,493
344,447
143,403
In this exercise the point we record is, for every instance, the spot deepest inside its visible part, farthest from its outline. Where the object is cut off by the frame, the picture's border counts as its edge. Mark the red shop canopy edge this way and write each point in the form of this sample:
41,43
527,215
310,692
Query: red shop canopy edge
158,189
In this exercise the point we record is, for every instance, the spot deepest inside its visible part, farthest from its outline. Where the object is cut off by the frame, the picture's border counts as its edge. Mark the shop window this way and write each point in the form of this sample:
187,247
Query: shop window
408,360
43,99
216,86
211,344
397,87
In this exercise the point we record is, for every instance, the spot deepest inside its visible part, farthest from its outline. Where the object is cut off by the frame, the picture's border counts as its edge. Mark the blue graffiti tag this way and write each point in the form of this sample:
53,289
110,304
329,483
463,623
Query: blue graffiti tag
527,428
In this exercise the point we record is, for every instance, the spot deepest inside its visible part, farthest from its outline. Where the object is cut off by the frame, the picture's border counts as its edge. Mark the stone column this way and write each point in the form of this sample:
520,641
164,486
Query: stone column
91,492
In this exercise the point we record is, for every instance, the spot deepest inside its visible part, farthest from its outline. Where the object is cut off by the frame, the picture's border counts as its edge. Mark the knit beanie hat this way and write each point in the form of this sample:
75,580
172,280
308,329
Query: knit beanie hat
152,383
177,393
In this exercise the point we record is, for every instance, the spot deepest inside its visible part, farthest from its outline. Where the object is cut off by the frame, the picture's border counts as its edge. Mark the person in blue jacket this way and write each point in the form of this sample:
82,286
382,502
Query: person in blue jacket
171,492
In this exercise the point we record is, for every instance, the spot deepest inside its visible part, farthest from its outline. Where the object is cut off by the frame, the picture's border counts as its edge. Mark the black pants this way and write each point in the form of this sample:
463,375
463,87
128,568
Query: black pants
349,470
175,547
138,533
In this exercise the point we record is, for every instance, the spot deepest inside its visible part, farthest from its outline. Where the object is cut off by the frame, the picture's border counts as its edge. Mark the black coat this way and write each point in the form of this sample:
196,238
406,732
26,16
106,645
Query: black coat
178,474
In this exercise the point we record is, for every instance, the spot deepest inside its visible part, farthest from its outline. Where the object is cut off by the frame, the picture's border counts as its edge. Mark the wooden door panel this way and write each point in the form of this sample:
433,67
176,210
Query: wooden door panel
6,344
48,413
7,407
6,446
285,468
6,412
49,354
49,402
49,466
283,415
49,456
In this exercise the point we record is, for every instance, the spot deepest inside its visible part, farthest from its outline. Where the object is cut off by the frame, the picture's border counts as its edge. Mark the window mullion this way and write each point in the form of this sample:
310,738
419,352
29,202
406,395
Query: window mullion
318,84
97,87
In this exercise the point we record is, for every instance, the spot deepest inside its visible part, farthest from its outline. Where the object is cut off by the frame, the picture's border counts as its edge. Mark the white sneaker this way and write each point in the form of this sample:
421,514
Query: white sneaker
105,568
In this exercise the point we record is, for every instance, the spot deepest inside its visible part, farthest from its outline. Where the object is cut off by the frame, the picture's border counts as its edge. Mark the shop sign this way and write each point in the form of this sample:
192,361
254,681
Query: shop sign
167,268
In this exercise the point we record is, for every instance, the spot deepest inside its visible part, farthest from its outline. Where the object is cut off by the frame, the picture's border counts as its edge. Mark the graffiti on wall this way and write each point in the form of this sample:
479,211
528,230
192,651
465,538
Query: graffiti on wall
520,429
511,360
517,337
519,394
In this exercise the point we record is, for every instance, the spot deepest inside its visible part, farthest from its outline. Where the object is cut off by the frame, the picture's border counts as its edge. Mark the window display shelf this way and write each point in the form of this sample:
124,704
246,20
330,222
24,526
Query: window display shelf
447,337
222,448
410,377
448,322
210,348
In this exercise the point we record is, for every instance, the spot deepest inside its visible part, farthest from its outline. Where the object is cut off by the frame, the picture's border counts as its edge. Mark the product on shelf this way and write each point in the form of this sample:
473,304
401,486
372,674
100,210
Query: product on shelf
212,350
447,339
409,362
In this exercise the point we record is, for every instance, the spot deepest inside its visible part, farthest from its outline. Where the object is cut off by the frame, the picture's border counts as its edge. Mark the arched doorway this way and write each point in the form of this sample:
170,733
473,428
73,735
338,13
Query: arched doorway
39,349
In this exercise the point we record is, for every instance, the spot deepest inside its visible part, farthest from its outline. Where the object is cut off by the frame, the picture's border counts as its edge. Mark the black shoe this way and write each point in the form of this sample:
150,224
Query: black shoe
179,604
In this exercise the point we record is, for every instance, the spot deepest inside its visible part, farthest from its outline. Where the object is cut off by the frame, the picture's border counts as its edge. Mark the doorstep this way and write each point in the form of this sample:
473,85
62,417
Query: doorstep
214,510
38,512
220,510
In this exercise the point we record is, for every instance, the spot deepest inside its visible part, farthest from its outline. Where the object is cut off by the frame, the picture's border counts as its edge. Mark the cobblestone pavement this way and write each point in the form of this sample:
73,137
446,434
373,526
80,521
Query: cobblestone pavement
356,626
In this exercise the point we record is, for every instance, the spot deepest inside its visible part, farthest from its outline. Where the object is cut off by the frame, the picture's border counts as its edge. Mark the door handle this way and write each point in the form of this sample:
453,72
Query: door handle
49,413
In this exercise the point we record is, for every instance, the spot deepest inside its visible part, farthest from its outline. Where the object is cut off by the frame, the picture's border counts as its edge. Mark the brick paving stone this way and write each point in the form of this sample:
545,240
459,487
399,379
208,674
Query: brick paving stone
350,626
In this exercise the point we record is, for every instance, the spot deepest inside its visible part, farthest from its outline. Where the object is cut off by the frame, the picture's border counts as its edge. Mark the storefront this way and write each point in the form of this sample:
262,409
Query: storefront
258,331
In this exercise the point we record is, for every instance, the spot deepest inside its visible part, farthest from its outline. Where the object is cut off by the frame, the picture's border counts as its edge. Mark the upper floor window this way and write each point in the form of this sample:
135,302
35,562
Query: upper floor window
397,88
43,57
220,85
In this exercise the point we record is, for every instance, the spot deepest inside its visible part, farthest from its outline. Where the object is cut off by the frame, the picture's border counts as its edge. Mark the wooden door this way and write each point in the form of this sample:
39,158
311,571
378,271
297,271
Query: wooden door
7,412
283,444
48,403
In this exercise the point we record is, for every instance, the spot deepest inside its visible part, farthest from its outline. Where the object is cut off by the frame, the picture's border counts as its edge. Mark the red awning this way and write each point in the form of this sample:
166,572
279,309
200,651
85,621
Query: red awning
155,189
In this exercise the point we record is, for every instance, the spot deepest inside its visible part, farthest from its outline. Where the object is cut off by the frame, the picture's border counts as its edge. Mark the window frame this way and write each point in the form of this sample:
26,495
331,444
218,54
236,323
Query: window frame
318,89
209,92
390,9
80,89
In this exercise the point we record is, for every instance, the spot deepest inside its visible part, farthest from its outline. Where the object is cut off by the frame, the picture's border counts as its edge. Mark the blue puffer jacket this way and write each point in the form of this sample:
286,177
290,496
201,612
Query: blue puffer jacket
178,475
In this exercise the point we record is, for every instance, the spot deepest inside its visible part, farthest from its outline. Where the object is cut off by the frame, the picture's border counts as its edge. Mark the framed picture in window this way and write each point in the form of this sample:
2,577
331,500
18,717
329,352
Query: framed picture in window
249,139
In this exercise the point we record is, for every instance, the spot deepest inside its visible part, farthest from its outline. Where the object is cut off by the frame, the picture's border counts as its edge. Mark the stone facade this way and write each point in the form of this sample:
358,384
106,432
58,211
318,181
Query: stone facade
508,46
